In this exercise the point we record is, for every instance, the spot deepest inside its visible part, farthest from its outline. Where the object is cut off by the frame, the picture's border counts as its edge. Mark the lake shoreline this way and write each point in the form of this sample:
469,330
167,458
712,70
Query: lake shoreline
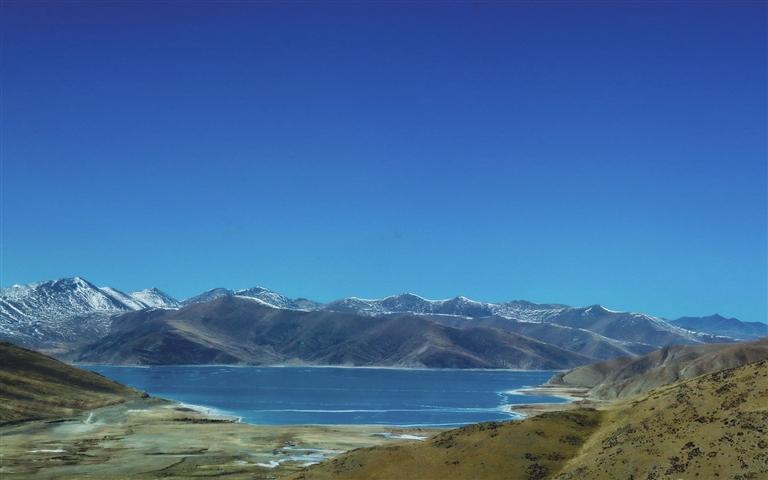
576,397
153,437
351,367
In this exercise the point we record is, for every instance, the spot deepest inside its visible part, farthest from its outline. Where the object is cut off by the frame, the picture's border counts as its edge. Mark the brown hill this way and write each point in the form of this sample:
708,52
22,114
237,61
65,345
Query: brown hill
35,386
241,330
622,377
712,426
574,339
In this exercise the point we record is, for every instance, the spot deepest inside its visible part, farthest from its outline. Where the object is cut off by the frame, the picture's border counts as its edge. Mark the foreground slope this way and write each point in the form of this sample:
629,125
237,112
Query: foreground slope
34,386
712,426
622,377
232,329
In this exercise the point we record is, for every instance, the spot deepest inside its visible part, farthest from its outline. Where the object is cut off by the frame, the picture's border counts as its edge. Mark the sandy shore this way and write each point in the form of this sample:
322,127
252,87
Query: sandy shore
153,438
576,398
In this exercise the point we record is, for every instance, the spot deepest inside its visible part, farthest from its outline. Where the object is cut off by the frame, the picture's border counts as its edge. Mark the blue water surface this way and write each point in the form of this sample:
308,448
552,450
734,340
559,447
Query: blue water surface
331,395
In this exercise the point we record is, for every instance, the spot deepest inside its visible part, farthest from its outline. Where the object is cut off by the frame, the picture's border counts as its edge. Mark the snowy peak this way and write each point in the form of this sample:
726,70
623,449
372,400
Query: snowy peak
411,303
267,296
68,308
155,298
263,295
57,309
276,300
405,302
209,295
356,305
75,295
124,298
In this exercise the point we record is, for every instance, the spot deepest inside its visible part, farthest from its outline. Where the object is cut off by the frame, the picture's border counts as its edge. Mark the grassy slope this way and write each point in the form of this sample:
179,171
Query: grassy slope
35,386
534,448
712,426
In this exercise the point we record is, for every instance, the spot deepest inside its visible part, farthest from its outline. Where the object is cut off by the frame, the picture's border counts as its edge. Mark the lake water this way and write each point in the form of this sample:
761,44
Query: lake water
320,395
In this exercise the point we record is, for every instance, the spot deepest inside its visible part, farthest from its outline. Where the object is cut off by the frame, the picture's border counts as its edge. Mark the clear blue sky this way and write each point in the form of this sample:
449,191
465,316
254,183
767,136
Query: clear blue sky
610,154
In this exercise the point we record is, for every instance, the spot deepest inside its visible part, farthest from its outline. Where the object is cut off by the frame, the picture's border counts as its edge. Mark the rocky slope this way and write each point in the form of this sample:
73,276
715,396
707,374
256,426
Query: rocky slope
35,386
711,426
622,377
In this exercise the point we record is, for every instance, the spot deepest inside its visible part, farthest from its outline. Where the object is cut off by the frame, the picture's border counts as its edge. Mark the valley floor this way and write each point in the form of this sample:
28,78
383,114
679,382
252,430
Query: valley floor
152,438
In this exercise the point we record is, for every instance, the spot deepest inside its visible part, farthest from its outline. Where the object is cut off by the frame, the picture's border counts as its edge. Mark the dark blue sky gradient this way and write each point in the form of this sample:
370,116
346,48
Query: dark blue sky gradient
610,154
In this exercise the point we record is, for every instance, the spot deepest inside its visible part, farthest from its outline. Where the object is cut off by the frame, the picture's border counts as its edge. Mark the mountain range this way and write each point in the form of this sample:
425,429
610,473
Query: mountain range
76,320
236,329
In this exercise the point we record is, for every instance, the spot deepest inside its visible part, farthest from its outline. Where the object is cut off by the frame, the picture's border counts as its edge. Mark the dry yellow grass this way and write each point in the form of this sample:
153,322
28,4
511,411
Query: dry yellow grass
535,448
712,426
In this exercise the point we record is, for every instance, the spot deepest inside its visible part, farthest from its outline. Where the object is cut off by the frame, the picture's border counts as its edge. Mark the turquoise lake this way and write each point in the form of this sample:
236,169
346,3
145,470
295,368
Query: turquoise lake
331,395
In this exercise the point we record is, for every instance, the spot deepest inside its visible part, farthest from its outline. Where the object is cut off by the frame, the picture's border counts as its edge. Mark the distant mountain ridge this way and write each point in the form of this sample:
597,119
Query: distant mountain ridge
265,295
236,329
726,327
63,316
458,306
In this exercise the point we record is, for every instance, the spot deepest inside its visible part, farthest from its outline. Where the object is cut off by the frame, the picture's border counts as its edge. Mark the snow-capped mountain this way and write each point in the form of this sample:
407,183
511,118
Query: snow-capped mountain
411,303
64,309
459,306
70,312
57,297
267,296
209,295
124,298
155,298
623,326
264,295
